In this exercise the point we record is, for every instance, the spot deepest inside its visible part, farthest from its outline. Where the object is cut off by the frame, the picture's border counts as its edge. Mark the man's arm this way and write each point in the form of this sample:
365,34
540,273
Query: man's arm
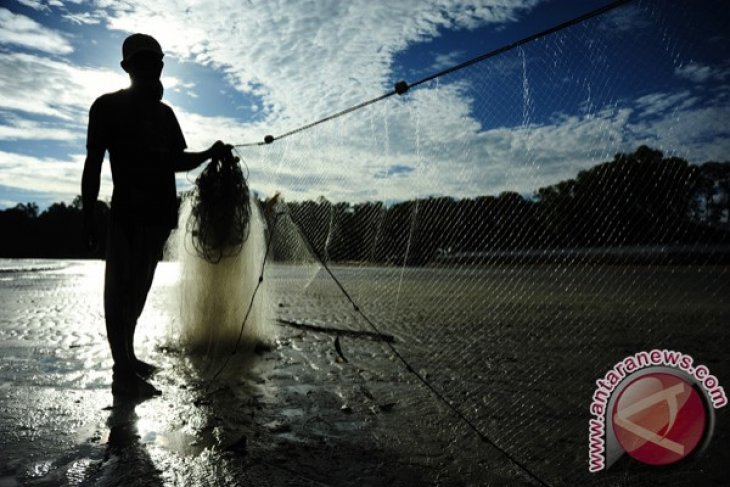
191,160
90,182
91,179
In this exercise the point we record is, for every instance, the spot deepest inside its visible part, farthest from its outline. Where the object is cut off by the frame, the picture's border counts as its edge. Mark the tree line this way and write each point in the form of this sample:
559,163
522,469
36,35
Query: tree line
639,198
54,233
636,199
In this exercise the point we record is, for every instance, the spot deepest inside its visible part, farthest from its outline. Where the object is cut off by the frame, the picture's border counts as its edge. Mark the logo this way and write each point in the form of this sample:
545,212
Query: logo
657,407
659,419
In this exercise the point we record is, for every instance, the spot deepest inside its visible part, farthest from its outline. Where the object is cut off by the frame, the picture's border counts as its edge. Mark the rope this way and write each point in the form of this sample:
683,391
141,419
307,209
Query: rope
525,40
410,368
402,87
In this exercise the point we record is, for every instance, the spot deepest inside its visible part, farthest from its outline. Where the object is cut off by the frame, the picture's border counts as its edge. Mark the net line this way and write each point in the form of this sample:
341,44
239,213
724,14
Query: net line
402,87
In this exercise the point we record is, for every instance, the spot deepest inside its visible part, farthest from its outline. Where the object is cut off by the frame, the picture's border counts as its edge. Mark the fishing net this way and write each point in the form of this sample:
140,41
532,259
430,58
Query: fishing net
518,227
219,247
220,213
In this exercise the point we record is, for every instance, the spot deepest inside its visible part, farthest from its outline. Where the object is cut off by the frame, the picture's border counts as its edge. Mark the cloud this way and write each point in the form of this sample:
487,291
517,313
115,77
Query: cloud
394,171
694,72
699,133
35,4
58,88
625,18
19,30
49,99
700,73
16,129
52,179
85,18
447,60
661,103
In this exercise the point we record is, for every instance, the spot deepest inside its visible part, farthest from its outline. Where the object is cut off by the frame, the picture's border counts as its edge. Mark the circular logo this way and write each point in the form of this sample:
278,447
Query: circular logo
659,418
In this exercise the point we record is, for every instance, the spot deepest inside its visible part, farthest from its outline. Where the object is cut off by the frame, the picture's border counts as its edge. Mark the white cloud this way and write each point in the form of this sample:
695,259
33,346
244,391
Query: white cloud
694,72
660,103
19,30
699,133
201,131
20,129
34,4
42,86
630,17
85,18
700,73
447,60
44,5
54,179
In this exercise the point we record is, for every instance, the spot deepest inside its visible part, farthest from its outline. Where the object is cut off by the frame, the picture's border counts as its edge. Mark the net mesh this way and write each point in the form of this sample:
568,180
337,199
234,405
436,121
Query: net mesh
220,213
519,227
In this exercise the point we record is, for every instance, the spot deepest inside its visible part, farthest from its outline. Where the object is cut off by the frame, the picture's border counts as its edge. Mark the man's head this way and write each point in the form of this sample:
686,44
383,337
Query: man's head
142,60
137,43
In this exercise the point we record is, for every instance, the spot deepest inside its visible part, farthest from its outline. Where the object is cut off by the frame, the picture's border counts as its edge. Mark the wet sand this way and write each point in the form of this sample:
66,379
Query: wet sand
516,348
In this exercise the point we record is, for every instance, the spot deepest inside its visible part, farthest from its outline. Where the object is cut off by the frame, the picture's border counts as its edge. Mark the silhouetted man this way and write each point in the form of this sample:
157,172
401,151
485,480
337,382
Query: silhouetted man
146,148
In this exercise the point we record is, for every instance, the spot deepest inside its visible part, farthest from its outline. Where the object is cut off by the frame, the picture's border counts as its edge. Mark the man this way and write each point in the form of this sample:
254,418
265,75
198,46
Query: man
146,147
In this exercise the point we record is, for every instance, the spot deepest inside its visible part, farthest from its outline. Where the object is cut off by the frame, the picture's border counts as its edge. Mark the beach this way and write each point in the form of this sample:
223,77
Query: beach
516,348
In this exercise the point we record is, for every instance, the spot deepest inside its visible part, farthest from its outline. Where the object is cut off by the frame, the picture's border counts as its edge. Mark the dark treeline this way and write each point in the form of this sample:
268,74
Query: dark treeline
637,199
640,198
54,233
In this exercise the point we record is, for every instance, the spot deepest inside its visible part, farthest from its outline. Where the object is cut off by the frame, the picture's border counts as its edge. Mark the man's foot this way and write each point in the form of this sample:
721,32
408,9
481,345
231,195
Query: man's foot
144,369
133,386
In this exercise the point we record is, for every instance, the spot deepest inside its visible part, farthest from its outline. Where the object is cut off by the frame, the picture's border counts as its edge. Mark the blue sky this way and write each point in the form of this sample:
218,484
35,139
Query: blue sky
655,72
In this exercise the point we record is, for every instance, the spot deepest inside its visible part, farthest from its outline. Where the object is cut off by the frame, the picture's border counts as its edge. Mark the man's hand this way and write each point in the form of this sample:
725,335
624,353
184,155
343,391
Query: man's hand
220,151
217,152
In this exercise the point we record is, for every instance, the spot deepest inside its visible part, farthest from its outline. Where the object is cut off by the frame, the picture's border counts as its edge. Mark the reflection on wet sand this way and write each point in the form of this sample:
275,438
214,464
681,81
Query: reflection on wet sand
126,460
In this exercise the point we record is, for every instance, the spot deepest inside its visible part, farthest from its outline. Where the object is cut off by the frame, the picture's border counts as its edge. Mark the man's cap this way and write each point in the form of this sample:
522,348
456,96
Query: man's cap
137,43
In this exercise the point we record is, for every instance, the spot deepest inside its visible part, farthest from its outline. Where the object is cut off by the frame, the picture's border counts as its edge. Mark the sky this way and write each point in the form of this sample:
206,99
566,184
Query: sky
653,72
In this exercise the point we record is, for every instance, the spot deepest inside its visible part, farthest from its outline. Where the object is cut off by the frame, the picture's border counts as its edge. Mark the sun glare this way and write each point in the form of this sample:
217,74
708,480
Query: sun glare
95,83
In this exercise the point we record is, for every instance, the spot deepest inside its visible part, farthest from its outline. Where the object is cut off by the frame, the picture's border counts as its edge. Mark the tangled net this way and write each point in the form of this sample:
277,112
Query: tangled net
220,213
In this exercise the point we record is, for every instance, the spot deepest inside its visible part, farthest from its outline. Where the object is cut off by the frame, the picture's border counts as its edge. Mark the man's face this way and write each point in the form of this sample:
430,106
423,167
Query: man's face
145,66
145,69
